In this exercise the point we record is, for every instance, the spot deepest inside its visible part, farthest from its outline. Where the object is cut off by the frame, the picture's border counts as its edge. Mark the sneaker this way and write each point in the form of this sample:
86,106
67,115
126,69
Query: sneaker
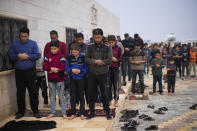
148,119
37,115
143,116
108,116
158,112
130,126
193,107
151,106
90,116
152,127
18,116
163,109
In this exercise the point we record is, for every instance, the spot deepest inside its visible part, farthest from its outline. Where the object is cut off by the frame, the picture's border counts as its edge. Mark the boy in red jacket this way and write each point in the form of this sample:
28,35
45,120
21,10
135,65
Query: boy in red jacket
114,70
54,64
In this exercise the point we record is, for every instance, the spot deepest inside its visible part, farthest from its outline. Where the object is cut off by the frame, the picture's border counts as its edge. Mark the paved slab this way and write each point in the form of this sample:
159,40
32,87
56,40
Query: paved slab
178,117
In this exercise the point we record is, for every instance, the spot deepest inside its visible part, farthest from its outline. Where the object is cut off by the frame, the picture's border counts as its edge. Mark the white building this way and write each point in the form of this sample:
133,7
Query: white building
42,16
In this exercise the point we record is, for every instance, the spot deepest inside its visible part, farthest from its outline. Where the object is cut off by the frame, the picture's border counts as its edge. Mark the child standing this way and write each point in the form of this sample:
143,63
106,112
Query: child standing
157,64
171,76
114,70
193,58
54,64
76,68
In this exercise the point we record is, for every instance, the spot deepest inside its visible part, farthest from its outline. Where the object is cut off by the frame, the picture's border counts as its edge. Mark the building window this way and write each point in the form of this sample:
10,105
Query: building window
9,31
70,35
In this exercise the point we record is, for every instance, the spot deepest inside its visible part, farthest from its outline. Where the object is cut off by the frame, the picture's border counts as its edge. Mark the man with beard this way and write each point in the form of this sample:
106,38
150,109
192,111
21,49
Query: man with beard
98,56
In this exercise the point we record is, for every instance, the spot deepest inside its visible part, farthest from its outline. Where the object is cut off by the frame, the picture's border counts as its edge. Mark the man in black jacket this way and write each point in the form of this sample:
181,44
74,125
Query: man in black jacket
128,47
98,56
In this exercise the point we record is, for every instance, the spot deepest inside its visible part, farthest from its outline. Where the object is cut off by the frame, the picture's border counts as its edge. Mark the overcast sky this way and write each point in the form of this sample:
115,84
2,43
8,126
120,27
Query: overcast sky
154,19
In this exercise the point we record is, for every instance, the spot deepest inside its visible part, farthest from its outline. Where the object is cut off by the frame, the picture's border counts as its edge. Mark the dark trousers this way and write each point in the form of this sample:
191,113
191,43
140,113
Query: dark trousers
26,78
126,66
93,81
41,83
114,83
86,88
140,73
171,84
185,65
77,93
178,68
157,78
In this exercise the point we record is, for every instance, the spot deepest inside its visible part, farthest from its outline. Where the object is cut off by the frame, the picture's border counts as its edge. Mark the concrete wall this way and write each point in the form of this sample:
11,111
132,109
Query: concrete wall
7,94
43,16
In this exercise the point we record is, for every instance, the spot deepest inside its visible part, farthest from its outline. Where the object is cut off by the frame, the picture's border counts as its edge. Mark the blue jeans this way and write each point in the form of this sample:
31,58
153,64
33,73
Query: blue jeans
126,66
146,66
157,78
67,97
59,86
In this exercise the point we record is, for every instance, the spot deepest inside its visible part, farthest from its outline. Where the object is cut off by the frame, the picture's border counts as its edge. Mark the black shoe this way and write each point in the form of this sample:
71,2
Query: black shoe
149,119
163,109
158,112
193,107
18,116
130,126
143,116
151,106
108,116
152,127
37,115
128,114
90,116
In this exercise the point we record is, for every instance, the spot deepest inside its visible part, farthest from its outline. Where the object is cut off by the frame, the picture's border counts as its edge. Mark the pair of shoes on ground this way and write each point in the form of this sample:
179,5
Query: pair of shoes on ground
152,127
151,106
193,107
128,114
19,115
130,126
161,110
146,117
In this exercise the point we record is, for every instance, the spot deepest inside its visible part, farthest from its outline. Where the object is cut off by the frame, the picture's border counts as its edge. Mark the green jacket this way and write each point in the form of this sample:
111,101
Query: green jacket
96,52
155,70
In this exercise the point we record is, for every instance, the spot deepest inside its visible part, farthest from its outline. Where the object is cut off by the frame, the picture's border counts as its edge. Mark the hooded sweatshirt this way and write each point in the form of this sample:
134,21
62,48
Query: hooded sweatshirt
58,61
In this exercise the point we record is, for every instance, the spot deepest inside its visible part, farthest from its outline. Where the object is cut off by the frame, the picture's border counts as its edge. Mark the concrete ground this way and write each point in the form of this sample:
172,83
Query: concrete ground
178,117
95,124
